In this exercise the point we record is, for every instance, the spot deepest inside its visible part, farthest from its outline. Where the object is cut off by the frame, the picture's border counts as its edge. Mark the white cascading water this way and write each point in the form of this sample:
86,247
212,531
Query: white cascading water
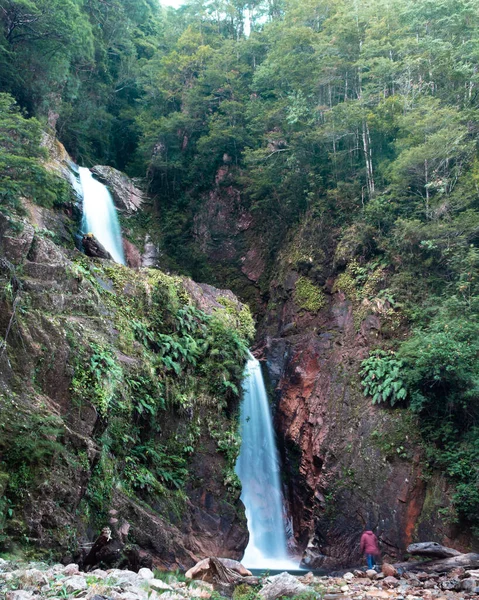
99,215
258,470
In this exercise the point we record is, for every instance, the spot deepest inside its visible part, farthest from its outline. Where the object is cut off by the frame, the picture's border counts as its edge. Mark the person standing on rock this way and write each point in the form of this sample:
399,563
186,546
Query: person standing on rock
370,547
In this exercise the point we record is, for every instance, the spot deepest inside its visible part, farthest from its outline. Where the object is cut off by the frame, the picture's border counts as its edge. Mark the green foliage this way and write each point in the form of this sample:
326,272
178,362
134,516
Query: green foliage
22,173
245,592
359,119
30,443
382,378
443,361
242,318
97,378
308,295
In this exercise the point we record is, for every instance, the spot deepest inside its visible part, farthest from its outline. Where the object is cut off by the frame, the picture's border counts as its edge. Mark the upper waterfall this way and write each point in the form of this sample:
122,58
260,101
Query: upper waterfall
100,216
258,469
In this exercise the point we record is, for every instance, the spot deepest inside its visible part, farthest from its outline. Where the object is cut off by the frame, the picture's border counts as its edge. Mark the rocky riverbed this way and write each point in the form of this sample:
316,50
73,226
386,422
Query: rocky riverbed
38,580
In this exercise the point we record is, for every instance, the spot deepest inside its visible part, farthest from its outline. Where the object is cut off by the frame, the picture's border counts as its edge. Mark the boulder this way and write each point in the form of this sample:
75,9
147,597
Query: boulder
125,577
149,257
450,584
159,585
371,573
34,577
132,254
146,574
432,549
203,569
75,584
390,582
126,195
71,569
283,586
471,585
389,570
19,595
94,248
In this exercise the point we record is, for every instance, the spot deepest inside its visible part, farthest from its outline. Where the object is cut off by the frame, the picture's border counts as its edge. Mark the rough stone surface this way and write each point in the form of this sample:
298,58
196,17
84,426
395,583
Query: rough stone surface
39,366
149,258
283,585
71,569
389,570
132,255
76,583
126,195
18,595
432,549
146,574
201,569
125,585
158,585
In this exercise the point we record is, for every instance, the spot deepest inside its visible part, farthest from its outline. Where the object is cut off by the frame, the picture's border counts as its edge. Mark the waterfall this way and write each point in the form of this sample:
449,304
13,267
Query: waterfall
99,215
258,469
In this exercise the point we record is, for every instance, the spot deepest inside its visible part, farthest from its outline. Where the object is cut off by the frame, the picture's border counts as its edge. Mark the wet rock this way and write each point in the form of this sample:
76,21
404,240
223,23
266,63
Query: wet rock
312,558
132,254
94,248
283,585
126,195
149,258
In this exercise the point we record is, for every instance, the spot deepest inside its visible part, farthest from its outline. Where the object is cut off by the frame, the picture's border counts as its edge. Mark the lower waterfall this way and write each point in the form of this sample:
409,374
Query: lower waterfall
99,215
258,469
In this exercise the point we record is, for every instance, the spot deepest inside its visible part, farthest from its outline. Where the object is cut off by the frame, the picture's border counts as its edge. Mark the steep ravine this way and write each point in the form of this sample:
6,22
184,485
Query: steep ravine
118,402
347,463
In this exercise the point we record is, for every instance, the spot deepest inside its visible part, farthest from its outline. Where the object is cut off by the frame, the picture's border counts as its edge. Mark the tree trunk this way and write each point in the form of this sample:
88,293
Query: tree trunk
432,549
368,158
468,561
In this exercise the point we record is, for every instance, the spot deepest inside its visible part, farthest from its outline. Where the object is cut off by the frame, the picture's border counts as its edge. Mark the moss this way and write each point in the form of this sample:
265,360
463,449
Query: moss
241,318
345,283
308,295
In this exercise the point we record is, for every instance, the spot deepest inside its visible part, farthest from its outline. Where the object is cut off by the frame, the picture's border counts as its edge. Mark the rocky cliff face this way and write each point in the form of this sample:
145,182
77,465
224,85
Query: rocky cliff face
348,464
114,404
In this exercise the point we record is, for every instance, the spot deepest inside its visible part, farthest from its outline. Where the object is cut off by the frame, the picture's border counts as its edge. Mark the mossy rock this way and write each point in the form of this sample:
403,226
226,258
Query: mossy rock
308,296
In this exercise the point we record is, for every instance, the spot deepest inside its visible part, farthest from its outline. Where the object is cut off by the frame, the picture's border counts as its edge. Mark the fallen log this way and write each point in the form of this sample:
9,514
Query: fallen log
468,561
432,549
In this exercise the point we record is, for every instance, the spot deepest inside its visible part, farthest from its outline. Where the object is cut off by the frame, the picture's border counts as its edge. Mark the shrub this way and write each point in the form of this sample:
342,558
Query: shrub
382,377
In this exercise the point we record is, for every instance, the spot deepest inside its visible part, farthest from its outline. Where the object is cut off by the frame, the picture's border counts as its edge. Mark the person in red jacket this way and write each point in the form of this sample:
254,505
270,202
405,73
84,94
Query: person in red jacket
369,547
